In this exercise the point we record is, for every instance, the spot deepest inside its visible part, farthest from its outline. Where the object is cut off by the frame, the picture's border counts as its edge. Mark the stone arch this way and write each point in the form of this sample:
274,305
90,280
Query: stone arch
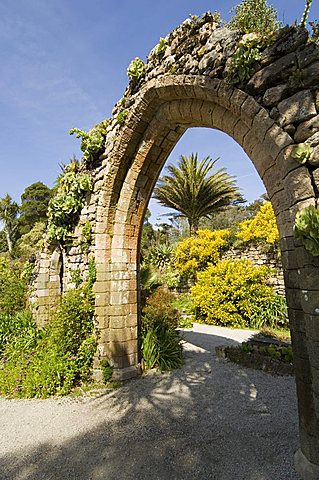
268,115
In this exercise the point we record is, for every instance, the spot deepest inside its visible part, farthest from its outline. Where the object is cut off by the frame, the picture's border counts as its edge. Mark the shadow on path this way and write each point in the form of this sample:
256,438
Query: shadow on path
208,420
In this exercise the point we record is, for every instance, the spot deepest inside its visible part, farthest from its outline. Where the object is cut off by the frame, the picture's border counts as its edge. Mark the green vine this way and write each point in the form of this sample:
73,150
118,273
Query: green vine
92,141
245,57
68,201
307,229
136,69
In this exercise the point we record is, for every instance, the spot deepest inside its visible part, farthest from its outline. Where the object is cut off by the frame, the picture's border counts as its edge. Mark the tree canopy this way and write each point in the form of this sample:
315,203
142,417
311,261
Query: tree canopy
34,206
194,191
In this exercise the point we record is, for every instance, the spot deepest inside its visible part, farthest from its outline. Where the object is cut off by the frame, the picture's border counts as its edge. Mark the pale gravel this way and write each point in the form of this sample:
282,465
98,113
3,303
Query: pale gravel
211,419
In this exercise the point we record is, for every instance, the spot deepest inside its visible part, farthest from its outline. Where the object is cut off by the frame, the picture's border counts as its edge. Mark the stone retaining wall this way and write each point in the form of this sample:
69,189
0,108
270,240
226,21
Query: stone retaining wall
259,257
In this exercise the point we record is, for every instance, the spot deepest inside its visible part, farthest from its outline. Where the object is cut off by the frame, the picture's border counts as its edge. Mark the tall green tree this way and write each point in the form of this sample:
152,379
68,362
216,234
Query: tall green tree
34,206
194,191
8,215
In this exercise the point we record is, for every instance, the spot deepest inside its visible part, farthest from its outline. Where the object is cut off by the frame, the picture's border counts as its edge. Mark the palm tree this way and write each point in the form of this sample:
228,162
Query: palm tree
194,192
8,215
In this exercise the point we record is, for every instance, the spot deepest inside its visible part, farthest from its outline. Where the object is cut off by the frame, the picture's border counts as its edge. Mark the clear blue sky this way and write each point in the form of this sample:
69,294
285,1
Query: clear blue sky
63,65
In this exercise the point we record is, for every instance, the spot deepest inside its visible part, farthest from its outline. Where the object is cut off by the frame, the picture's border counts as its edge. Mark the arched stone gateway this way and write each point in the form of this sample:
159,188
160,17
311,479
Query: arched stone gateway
186,84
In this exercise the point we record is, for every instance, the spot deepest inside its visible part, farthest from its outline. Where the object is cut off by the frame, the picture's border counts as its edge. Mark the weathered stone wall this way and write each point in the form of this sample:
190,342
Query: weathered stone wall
268,115
259,256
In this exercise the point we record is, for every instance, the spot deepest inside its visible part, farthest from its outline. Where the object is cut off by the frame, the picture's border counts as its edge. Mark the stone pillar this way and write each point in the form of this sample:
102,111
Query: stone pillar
301,278
116,314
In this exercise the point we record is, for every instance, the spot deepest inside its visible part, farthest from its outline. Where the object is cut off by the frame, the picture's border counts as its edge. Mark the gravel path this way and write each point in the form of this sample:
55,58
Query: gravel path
210,419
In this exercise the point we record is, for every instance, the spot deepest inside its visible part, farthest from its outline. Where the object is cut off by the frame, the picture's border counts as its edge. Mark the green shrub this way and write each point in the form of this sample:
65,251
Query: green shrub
19,331
39,363
195,253
87,235
161,344
159,310
229,293
161,47
161,347
184,304
12,288
272,315
254,16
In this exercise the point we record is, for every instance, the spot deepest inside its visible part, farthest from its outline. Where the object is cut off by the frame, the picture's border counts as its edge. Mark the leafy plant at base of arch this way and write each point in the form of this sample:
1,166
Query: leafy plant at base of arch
243,61
66,204
302,152
307,229
50,361
92,141
136,69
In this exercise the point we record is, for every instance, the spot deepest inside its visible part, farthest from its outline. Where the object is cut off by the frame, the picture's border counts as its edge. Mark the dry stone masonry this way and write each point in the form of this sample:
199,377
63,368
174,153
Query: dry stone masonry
187,82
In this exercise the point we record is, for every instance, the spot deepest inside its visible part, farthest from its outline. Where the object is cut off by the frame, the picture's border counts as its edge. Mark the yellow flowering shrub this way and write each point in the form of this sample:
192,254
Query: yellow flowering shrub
230,292
195,253
261,227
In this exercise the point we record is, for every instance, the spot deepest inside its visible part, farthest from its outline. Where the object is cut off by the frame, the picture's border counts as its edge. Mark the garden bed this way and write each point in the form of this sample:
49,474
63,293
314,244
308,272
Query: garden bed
268,357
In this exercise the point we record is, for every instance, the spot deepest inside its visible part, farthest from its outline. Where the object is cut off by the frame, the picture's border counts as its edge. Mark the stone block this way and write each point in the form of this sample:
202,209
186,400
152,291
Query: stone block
119,310
307,129
117,322
119,298
236,101
313,351
276,73
298,108
297,320
102,299
274,95
249,110
131,320
312,326
239,131
298,185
